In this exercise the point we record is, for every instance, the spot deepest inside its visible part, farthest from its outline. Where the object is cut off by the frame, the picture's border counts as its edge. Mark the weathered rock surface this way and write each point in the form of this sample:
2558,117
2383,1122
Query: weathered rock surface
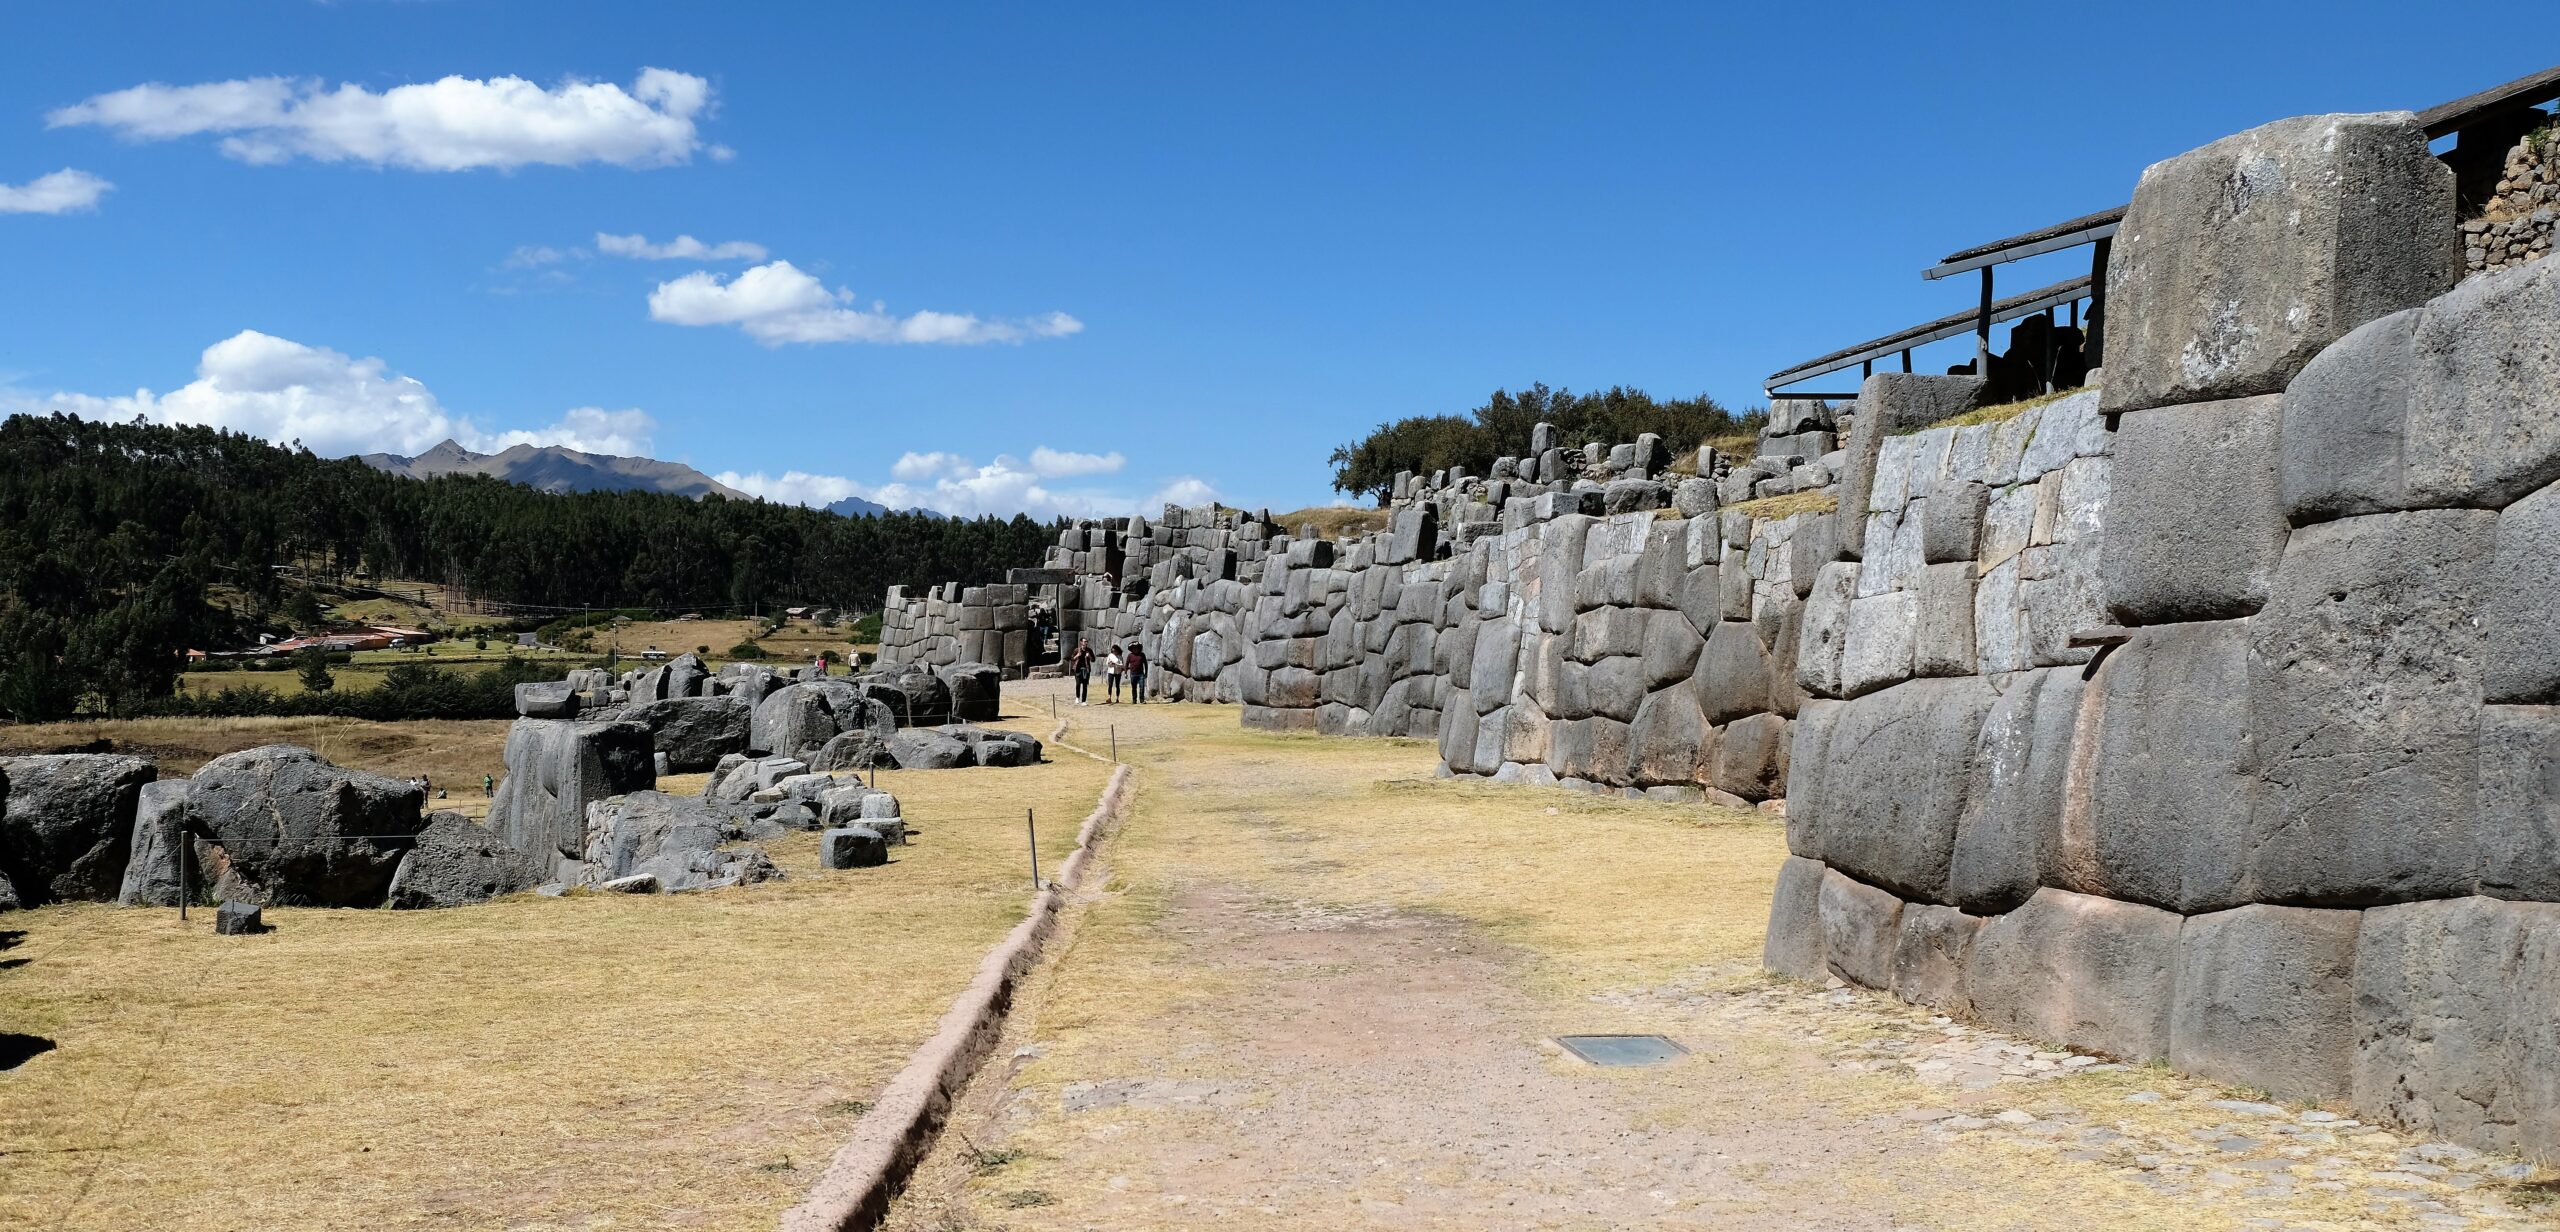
2194,516
66,824
283,826
555,769
2266,999
151,875
695,732
458,862
2092,973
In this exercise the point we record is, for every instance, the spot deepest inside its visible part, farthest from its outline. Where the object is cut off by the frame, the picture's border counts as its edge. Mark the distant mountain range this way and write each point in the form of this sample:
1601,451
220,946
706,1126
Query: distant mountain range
555,468
855,506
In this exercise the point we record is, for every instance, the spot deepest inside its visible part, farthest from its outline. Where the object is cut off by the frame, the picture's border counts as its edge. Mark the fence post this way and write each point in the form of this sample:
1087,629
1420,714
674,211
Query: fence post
1115,743
178,826
1031,822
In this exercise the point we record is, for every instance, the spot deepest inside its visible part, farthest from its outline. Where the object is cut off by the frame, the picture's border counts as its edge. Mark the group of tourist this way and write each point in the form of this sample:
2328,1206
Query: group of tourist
1116,663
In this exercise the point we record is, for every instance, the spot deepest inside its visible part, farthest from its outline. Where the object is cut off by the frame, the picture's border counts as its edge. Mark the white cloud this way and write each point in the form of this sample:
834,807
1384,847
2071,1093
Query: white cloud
452,124
777,303
530,256
681,248
59,193
953,484
283,391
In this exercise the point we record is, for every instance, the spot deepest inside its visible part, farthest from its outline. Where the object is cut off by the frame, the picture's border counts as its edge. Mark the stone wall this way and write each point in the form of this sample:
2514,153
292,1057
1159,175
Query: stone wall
2520,220
952,623
2208,715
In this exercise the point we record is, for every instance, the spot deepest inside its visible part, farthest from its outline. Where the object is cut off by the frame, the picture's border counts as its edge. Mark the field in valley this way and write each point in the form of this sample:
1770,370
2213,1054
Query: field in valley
534,1063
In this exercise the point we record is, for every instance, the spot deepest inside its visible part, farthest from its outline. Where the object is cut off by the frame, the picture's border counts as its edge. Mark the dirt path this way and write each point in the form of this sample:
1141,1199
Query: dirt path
1318,991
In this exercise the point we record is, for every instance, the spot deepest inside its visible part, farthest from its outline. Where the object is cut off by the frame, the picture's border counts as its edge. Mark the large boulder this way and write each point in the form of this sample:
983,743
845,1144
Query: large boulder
66,828
976,691
695,732
2239,261
553,699
279,824
457,862
914,696
151,875
1897,775
990,747
863,749
678,840
918,748
2164,810
2453,1024
1861,926
2482,424
555,769
2074,969
2194,522
2266,999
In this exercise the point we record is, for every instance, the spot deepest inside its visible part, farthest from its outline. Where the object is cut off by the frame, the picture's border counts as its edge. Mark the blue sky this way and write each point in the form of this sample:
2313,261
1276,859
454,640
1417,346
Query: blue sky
1159,249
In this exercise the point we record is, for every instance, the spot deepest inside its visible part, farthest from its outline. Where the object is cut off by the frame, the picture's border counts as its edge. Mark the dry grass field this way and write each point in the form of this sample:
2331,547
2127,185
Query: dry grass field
590,1062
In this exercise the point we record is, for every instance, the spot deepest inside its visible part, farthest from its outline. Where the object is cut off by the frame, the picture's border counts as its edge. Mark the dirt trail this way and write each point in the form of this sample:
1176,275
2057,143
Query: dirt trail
1306,1000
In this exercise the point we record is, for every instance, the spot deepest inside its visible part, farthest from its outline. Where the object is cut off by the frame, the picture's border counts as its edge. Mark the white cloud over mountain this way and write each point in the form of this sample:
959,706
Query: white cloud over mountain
283,391
777,302
451,124
59,193
955,484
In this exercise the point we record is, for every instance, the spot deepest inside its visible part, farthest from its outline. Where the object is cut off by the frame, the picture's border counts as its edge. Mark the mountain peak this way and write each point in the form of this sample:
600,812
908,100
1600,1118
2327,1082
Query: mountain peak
558,468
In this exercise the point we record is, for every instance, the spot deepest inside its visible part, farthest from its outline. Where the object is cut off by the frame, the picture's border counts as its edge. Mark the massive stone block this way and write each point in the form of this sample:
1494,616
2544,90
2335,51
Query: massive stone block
1794,943
1808,760
1861,925
2522,621
1890,403
1669,734
1942,639
2092,973
2519,823
2484,405
555,769
2341,449
2454,1030
2008,840
1898,770
151,876
2365,687
2194,522
283,826
66,828
696,732
1951,525
2165,813
1751,757
1884,630
1615,688
1930,955
1671,648
2266,999
1732,677
456,862
2239,261
1824,635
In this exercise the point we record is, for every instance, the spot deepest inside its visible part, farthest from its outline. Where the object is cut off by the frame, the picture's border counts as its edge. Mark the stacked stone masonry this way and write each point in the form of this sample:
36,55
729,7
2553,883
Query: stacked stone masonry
2518,223
2209,715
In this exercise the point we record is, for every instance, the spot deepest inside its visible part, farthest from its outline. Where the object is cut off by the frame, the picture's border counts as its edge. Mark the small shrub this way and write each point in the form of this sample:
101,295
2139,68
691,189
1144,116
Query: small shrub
985,1161
747,650
1022,1199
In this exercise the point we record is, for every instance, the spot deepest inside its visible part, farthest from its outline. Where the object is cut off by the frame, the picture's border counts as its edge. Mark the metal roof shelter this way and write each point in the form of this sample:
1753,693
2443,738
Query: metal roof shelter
2496,117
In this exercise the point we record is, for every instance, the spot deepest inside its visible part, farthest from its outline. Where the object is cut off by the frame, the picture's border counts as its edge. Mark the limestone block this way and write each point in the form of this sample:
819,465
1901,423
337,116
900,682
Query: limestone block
1808,760
2341,449
1671,648
1732,678
1783,640
1734,586
2519,827
1884,630
2523,621
2009,837
1615,687
1663,569
1496,654
2091,973
2484,403
1929,955
1608,632
1525,734
2168,811
1751,757
1892,559
2454,1031
1491,730
2239,261
1824,635
1559,568
2061,432
1891,403
2266,999
1951,524
2365,684
2197,526
1664,745
1898,772
1814,543
1702,594
1943,636
1794,944
1457,732
1861,925
1607,583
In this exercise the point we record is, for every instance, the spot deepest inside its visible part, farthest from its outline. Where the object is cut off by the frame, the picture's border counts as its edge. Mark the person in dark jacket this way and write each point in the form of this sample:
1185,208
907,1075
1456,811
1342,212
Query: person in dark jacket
1081,663
1137,669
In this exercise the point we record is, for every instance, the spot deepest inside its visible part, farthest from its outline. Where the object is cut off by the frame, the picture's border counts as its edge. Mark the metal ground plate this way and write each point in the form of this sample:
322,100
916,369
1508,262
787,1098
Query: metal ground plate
1623,1050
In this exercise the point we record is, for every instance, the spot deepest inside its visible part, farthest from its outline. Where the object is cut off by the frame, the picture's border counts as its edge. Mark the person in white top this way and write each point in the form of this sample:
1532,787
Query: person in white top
1111,665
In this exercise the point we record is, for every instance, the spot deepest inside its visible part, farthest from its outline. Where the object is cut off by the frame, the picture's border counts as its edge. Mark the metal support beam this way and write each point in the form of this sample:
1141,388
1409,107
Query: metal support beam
1982,329
2095,345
